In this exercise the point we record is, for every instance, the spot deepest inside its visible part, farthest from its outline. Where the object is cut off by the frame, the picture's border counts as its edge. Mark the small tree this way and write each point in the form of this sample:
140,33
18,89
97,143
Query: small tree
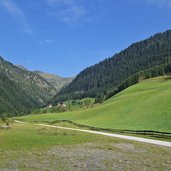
100,98
3,117
6,118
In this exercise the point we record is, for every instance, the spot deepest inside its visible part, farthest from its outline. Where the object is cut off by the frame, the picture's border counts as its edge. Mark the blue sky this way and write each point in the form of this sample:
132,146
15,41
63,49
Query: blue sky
65,36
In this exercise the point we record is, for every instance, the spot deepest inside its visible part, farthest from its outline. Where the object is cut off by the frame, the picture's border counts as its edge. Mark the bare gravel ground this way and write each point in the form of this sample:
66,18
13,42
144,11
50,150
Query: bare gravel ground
98,156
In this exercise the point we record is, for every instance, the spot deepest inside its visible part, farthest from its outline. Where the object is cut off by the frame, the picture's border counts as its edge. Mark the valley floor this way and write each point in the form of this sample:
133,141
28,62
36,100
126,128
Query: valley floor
31,147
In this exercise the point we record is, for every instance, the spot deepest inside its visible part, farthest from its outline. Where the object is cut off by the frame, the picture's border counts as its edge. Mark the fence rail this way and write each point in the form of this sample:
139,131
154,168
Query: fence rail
158,134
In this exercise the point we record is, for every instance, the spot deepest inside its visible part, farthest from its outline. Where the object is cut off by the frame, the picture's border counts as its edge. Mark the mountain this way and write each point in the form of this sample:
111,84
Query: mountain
22,90
107,75
56,81
22,67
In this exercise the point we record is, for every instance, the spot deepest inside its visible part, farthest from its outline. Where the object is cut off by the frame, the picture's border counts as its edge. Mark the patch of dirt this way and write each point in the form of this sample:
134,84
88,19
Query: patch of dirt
114,156
93,157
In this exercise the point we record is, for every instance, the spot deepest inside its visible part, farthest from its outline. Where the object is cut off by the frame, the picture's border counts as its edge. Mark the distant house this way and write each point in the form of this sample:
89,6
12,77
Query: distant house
50,106
61,105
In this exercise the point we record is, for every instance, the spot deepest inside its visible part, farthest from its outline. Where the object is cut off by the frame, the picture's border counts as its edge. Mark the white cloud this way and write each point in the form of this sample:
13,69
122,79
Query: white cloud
74,11
71,14
67,11
12,8
16,12
49,41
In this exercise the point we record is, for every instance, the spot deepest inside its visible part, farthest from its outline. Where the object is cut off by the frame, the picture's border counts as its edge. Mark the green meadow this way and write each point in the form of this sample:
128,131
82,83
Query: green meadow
144,106
31,137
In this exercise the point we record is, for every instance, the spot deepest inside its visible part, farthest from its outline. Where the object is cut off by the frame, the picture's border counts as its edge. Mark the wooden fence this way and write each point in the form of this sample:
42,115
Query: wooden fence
157,134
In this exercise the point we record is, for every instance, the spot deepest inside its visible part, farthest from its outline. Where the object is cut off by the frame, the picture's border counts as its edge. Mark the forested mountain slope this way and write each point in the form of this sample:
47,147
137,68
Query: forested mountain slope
21,90
110,73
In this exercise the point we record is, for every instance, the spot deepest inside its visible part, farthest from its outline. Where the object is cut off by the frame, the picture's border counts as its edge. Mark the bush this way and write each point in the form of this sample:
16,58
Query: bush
4,117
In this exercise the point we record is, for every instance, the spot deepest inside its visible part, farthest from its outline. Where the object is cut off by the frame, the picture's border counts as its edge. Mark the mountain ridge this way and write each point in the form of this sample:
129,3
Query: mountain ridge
57,81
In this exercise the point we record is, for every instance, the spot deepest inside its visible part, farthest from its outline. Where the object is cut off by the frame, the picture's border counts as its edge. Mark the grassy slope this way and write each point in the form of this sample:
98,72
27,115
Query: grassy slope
142,106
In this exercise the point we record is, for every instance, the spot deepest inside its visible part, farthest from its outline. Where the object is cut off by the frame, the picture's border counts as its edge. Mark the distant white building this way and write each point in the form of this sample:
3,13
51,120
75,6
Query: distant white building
50,106
61,105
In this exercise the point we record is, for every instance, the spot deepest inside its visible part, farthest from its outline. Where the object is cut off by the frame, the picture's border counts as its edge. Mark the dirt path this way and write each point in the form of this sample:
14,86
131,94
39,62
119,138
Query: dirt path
144,140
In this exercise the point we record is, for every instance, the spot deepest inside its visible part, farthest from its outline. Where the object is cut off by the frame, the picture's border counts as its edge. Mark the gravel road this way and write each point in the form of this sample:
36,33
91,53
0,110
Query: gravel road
144,140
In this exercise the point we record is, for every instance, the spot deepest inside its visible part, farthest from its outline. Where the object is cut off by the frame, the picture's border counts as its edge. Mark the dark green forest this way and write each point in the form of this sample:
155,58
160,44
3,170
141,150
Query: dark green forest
21,90
108,75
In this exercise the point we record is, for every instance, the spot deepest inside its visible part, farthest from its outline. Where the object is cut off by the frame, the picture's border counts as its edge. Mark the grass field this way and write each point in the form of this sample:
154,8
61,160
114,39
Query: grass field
31,147
144,106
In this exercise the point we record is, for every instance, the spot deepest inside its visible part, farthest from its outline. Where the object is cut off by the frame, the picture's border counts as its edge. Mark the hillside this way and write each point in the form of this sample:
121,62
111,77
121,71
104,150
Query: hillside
21,90
56,81
22,67
107,75
144,106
